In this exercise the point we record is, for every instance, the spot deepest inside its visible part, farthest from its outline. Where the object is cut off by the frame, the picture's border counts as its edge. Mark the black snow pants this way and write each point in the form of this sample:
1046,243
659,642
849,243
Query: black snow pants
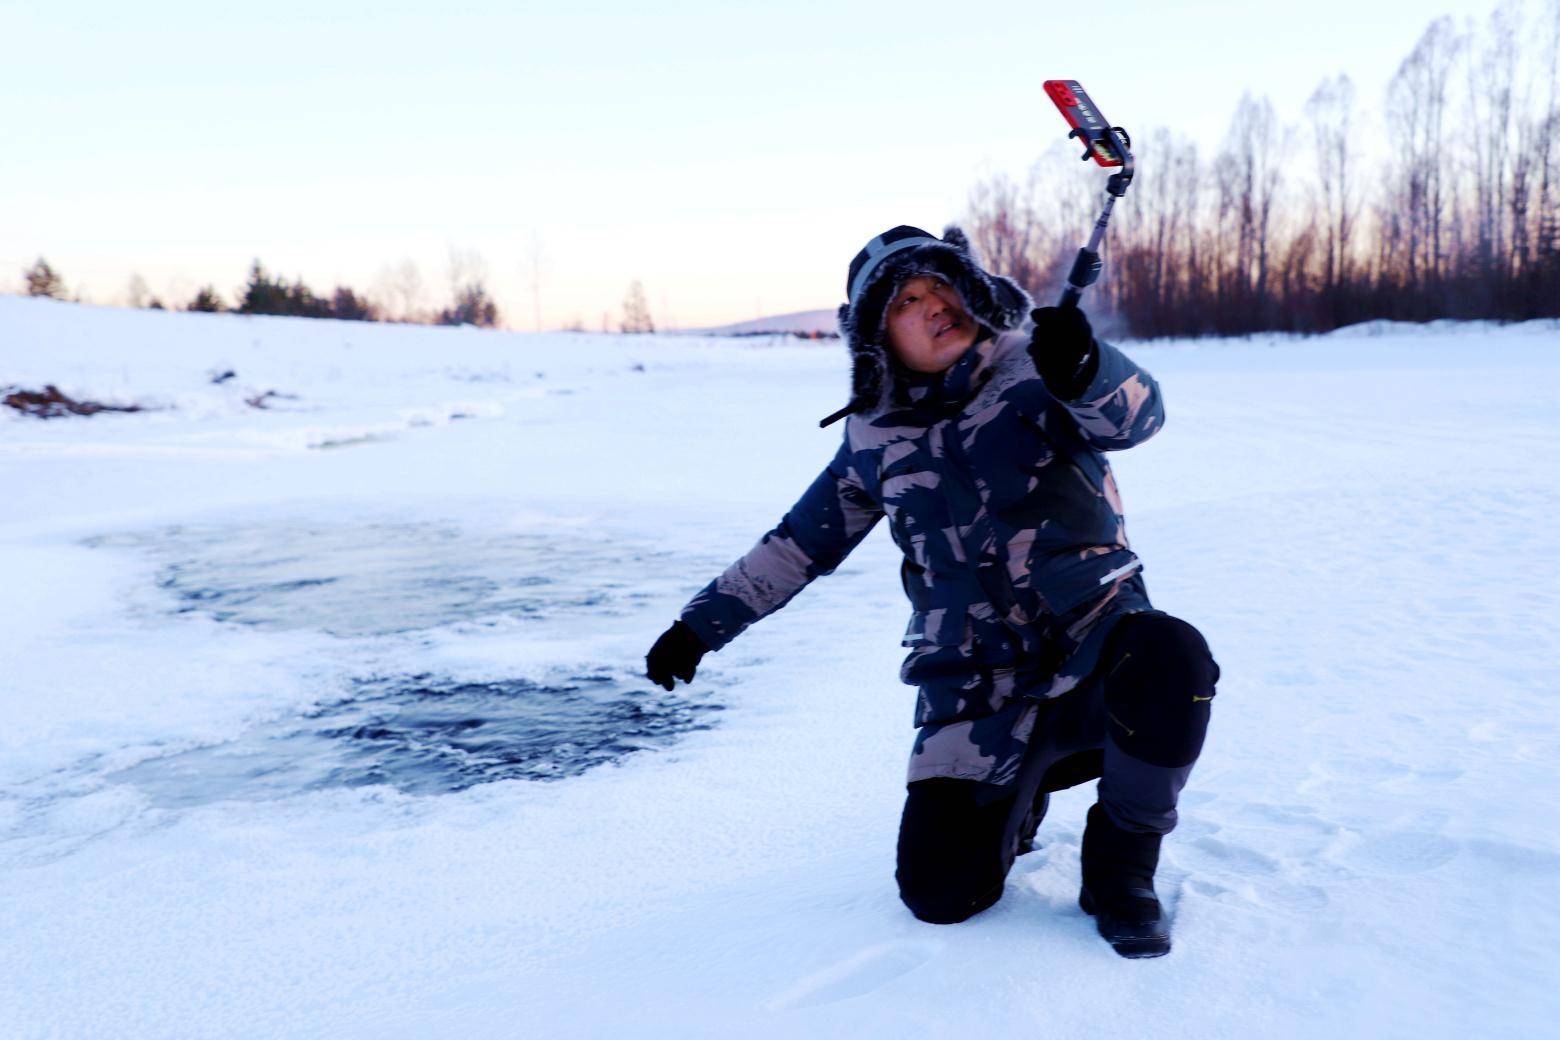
1137,723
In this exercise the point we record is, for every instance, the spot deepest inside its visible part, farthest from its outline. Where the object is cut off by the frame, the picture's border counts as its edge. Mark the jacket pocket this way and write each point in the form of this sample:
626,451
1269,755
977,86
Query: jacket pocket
1070,582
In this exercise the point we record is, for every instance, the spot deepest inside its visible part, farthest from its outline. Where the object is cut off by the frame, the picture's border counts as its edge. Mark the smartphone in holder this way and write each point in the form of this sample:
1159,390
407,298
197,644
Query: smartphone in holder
1104,147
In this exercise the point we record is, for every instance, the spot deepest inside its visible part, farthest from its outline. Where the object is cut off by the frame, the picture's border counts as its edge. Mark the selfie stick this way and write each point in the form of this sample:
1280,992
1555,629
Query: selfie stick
1107,145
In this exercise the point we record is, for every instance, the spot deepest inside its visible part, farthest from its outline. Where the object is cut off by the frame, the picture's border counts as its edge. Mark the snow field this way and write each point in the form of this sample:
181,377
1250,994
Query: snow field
1362,524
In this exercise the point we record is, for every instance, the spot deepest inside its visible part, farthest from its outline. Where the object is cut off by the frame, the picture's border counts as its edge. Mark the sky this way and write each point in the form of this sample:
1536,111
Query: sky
731,156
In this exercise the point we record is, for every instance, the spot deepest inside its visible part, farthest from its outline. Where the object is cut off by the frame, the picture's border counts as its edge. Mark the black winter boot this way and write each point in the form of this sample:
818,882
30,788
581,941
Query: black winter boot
1118,887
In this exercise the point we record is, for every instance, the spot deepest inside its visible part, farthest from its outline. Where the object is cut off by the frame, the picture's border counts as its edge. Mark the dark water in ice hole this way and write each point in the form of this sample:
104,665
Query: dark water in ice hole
424,736
419,733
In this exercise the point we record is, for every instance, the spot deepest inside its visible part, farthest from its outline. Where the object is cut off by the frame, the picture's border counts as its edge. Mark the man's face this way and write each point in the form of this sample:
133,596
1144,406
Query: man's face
928,327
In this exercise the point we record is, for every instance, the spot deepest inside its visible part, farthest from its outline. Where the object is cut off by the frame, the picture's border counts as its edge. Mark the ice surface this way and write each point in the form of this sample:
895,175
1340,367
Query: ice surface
351,579
1363,524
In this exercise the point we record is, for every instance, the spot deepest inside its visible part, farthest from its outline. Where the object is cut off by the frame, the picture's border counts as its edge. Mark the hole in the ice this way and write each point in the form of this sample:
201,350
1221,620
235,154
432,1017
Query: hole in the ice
384,578
426,736
422,735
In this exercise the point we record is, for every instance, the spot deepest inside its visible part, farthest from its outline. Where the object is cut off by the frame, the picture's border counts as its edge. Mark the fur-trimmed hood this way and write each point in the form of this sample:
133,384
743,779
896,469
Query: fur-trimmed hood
889,260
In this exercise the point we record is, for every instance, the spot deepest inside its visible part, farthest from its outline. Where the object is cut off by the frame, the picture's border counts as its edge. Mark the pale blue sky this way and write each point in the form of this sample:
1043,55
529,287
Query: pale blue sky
733,156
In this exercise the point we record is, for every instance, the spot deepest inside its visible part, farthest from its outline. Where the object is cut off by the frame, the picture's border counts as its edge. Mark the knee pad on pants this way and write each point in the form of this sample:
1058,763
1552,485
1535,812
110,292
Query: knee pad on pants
1159,681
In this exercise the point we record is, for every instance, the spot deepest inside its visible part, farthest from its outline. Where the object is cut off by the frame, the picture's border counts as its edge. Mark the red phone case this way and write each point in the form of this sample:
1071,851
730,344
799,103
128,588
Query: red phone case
1084,116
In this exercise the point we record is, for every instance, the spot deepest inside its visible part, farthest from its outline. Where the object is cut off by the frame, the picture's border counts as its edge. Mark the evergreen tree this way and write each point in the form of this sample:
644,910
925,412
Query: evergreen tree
472,306
206,301
265,294
43,280
262,294
305,304
348,306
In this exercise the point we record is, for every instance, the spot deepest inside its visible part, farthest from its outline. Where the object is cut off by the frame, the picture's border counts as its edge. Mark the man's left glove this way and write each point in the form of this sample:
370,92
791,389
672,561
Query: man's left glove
675,655
1064,350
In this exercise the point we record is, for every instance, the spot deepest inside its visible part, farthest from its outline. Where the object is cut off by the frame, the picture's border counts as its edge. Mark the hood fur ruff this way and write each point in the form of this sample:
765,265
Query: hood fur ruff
995,302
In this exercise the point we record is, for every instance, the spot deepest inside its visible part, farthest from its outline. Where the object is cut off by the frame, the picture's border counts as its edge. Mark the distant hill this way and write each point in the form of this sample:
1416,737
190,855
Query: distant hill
800,323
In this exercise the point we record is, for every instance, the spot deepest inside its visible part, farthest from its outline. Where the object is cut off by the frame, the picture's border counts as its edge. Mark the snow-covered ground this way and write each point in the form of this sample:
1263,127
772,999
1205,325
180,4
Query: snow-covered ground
1363,524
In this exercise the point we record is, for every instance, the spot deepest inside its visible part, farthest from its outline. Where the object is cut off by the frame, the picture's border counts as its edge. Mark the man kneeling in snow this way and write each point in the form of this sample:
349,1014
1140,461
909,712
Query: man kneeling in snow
1039,661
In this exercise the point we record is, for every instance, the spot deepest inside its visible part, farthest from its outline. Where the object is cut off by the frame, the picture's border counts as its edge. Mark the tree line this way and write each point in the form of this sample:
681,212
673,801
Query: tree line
397,297
266,293
1447,207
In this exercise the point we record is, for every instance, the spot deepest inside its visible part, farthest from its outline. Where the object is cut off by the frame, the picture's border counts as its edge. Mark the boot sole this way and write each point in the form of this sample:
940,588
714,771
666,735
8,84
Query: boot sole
1122,937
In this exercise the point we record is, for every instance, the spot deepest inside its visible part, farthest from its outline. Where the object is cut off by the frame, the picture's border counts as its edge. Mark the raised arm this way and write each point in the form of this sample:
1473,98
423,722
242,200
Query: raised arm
1116,403
830,519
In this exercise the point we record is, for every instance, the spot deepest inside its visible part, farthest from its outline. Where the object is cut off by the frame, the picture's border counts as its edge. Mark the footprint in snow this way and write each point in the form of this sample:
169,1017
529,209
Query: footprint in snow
1514,857
1302,817
1217,856
858,974
1401,851
1368,770
1286,895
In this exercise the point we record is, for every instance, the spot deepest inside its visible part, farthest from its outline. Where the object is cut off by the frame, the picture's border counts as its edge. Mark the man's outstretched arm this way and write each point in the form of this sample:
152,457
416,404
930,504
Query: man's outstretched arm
812,539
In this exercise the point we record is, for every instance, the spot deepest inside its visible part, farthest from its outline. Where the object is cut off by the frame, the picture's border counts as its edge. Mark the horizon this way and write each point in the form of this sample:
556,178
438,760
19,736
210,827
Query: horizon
750,181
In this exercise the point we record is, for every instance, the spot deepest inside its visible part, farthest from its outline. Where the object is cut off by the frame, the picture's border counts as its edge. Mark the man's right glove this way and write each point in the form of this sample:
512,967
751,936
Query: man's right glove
1065,354
676,654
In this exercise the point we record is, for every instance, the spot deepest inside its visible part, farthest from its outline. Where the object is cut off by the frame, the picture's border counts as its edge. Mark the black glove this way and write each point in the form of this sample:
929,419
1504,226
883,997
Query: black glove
1063,347
676,653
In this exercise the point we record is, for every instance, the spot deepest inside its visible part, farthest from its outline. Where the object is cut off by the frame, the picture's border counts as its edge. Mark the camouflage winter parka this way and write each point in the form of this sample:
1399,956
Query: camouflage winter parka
1016,559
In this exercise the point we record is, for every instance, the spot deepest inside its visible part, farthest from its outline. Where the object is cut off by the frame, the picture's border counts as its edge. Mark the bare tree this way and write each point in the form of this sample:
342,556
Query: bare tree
471,303
409,289
636,310
1161,231
1255,150
1416,111
399,290
1330,111
466,267
138,294
536,269
1546,231
1005,228
1520,196
177,287
1029,233
1491,73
